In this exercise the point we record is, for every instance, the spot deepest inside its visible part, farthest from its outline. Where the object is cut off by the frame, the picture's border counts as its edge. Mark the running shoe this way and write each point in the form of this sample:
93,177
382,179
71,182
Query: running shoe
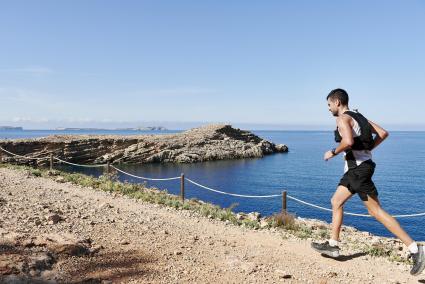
418,261
326,249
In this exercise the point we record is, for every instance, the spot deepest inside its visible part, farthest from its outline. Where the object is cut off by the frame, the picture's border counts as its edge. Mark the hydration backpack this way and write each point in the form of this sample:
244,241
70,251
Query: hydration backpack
365,140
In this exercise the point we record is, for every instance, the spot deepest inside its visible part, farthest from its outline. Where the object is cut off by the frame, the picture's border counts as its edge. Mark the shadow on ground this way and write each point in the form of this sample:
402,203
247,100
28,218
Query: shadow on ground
346,257
112,266
115,266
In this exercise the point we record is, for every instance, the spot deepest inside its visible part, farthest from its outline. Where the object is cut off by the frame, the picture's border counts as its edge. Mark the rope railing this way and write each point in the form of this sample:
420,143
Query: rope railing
325,209
232,194
80,165
20,156
145,178
182,178
349,213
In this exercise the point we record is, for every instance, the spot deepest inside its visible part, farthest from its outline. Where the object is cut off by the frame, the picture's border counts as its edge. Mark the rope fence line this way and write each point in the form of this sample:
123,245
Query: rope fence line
183,178
20,156
325,209
352,214
232,194
79,165
145,178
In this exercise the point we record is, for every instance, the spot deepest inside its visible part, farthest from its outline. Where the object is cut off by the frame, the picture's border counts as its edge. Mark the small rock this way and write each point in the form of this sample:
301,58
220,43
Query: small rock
263,224
240,216
105,206
40,262
253,216
53,218
2,201
332,274
28,243
283,274
71,249
60,179
281,148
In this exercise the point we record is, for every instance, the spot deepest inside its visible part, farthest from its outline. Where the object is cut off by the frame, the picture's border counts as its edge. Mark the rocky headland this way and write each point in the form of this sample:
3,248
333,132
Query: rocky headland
212,142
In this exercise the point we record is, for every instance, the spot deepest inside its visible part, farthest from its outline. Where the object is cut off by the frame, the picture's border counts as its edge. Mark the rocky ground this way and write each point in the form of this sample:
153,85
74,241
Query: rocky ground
61,233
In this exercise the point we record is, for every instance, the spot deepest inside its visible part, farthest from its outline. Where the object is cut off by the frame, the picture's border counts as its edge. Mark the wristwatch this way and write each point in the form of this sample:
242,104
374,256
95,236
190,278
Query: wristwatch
333,151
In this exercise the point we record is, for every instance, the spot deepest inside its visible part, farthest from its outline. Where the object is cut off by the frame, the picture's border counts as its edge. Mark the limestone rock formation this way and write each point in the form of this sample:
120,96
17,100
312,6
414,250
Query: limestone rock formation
212,142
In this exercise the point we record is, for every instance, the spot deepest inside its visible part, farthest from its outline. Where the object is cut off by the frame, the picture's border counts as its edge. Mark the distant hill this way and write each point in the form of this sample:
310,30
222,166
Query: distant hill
11,128
149,128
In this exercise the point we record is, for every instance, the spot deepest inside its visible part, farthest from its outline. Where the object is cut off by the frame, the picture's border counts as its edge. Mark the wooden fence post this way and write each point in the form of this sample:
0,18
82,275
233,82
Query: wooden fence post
182,187
284,202
51,161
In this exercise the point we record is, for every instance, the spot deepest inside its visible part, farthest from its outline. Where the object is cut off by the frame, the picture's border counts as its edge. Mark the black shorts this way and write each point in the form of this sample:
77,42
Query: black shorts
359,180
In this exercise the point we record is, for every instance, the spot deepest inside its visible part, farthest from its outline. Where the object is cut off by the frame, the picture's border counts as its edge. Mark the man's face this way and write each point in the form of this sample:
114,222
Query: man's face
333,107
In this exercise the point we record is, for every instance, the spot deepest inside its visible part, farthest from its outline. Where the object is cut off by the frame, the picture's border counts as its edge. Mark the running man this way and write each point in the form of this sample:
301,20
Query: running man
355,136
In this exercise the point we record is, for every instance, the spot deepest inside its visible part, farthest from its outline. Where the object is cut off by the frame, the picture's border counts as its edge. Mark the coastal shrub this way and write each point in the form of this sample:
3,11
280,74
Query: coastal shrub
175,203
398,258
323,233
35,172
186,206
53,173
251,224
227,214
208,210
378,250
304,232
284,220
80,179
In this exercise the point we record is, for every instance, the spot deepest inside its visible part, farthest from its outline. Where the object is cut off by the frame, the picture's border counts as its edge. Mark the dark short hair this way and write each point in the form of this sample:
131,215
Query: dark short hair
340,95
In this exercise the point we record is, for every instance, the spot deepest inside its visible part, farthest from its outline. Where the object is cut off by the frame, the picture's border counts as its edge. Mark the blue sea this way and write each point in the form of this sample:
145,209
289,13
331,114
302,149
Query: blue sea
302,172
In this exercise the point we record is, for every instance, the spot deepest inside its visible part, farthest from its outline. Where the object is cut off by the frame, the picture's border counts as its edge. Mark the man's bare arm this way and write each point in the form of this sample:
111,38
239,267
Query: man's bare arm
346,131
381,133
347,141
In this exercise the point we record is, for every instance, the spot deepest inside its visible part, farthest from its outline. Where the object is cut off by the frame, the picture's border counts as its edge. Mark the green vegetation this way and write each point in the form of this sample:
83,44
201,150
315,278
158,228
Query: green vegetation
380,250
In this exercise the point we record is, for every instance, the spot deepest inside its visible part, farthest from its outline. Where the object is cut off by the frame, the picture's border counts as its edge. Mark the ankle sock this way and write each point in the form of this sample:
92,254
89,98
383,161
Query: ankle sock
333,243
413,247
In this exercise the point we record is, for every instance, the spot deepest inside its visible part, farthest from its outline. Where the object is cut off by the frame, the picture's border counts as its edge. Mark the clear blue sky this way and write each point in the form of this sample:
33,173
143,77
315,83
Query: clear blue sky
73,63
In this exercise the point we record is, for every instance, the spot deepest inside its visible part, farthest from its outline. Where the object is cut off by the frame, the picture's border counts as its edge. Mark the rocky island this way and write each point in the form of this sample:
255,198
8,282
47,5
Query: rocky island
207,143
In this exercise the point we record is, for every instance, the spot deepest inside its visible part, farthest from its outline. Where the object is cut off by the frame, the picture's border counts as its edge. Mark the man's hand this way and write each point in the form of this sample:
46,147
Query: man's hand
381,133
328,155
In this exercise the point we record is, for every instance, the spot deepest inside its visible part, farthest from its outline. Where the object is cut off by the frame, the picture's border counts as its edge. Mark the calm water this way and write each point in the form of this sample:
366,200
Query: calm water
399,177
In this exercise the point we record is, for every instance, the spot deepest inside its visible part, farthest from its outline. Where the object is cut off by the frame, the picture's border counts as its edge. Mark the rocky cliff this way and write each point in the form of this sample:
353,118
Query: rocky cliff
212,142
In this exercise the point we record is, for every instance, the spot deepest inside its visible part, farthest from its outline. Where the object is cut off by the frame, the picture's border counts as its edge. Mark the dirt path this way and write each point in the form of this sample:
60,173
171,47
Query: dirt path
135,242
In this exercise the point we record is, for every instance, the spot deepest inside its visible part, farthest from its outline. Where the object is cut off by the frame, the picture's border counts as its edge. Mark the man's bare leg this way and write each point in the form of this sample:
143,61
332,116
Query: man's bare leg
374,208
418,253
341,195
330,247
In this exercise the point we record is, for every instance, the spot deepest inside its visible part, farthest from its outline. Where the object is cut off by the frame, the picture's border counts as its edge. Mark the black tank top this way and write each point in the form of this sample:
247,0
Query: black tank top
365,140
